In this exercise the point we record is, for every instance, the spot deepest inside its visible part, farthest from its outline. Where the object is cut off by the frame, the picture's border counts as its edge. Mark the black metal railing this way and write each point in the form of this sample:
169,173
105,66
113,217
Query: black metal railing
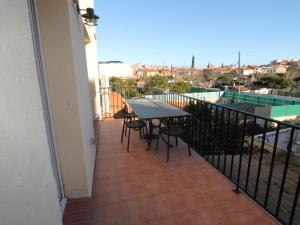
110,102
238,144
112,99
247,148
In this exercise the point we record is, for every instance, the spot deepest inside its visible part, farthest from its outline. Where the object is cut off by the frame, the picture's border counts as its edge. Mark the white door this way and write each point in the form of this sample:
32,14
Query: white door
47,113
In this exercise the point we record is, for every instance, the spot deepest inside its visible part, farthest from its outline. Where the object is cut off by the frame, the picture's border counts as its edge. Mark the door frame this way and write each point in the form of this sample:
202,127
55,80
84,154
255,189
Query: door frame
41,72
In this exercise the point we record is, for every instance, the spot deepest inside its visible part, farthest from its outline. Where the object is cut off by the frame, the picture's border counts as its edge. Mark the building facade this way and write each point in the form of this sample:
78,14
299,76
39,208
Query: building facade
248,70
48,104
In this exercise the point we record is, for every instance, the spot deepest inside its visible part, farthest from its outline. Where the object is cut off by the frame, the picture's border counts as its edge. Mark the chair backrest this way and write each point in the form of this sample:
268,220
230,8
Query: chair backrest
181,121
127,114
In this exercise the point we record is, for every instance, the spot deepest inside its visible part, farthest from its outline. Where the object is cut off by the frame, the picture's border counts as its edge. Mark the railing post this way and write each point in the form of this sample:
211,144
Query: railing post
241,155
295,202
250,154
272,165
192,124
200,120
215,134
220,144
260,158
288,155
232,143
209,132
227,141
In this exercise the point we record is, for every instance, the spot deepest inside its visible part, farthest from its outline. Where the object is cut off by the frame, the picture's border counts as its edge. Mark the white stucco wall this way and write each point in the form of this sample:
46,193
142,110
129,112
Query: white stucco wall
28,194
91,49
121,70
67,76
83,93
93,73
285,118
284,136
248,72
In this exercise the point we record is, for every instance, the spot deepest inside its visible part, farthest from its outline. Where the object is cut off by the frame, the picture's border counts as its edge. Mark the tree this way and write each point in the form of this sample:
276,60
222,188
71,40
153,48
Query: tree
125,87
193,62
277,82
116,83
155,81
297,79
292,63
293,71
130,88
180,87
227,78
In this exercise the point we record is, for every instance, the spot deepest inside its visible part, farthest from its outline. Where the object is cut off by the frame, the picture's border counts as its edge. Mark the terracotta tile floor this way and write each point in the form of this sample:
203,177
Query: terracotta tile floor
140,188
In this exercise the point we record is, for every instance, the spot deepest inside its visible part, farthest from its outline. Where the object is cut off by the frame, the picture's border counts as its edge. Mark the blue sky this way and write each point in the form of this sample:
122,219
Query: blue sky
170,32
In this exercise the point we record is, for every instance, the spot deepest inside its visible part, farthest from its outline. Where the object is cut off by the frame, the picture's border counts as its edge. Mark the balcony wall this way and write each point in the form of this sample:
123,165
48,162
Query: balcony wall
66,69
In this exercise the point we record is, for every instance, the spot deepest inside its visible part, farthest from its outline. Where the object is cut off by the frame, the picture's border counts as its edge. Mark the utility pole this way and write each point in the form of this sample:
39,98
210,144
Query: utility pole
239,72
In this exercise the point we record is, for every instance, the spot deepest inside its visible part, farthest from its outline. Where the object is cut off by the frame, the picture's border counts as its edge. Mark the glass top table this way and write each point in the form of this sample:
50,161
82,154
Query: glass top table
148,109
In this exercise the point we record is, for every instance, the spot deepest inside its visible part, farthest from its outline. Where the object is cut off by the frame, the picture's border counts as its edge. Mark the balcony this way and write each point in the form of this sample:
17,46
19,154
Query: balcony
260,155
140,187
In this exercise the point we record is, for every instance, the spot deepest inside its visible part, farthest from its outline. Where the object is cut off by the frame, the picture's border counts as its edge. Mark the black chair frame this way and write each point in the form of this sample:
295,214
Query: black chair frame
174,127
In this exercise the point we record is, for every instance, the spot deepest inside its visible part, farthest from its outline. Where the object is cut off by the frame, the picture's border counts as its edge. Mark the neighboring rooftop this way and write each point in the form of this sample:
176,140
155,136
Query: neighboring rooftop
115,69
107,62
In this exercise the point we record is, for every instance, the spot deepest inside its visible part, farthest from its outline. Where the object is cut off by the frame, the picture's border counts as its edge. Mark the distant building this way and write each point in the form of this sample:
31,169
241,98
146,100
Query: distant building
139,73
158,70
268,69
115,69
222,69
261,91
241,89
281,69
258,69
280,62
147,72
137,69
183,71
248,70
273,69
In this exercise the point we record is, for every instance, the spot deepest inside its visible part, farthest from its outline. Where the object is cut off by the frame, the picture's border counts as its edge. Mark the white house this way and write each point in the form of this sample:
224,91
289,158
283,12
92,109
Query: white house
259,69
268,69
273,69
248,70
